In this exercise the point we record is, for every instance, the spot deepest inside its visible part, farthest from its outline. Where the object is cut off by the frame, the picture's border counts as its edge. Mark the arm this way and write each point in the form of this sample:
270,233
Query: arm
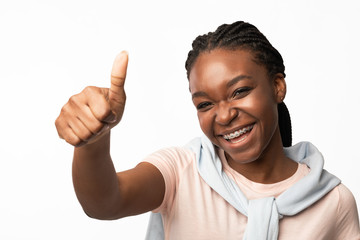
85,122
105,194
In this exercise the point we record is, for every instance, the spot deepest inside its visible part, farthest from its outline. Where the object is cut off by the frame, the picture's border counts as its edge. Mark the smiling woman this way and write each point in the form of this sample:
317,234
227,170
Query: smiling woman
239,95
235,182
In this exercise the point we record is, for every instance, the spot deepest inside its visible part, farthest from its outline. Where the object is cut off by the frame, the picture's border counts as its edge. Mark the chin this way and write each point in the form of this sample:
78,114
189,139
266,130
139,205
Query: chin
245,157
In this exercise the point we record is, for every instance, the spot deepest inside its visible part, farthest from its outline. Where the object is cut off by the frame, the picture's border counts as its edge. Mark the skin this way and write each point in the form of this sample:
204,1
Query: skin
85,122
231,92
86,119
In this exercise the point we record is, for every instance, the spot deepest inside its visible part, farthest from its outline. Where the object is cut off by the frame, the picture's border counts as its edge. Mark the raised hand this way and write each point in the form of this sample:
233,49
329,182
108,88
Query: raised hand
87,116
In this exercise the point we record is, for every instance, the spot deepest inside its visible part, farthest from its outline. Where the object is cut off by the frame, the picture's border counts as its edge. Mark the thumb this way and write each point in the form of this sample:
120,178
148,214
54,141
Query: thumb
118,74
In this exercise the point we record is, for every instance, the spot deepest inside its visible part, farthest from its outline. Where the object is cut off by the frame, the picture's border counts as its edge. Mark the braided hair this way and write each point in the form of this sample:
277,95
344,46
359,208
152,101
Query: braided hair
242,35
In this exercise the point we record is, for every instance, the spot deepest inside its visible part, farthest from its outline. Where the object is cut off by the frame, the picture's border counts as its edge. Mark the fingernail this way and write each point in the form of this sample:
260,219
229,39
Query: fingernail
104,129
111,118
125,52
80,144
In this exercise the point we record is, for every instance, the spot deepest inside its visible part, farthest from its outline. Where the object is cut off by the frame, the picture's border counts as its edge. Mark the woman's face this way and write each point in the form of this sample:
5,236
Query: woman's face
236,102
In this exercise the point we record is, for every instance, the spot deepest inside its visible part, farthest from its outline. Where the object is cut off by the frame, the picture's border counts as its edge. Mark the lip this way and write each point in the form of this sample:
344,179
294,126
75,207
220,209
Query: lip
241,143
235,129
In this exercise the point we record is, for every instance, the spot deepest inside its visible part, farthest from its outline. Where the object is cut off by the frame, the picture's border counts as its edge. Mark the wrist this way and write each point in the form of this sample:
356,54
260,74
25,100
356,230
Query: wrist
97,146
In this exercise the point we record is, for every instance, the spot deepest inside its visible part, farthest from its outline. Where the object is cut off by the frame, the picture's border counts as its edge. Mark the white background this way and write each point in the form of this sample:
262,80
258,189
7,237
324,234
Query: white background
50,50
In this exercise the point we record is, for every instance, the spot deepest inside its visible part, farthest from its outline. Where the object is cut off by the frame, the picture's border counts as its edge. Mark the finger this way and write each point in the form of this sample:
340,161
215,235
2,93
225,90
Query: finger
75,114
118,75
79,129
66,133
72,139
94,137
92,106
100,107
85,125
90,120
105,129
89,107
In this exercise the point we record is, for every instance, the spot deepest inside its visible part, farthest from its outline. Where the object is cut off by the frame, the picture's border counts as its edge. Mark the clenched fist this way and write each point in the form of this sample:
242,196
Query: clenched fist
87,116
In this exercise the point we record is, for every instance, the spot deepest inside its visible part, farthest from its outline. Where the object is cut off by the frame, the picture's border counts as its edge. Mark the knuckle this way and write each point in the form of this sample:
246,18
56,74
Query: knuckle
59,124
117,98
58,127
73,140
88,89
73,100
117,81
65,109
65,114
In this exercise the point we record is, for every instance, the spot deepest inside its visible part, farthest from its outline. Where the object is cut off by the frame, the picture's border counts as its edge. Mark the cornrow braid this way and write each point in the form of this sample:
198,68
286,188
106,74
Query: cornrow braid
285,125
239,35
242,35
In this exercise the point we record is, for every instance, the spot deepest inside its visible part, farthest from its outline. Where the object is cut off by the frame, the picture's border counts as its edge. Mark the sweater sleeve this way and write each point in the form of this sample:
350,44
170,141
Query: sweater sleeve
348,218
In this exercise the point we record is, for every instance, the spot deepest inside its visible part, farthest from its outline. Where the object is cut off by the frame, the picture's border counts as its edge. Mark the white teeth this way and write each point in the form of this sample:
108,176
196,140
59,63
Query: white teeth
237,133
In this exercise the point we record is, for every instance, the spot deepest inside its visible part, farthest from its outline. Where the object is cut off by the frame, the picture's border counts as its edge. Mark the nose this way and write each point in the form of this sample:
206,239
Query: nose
225,113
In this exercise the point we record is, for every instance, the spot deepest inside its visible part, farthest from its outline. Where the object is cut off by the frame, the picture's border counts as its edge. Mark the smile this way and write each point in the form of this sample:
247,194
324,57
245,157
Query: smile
238,133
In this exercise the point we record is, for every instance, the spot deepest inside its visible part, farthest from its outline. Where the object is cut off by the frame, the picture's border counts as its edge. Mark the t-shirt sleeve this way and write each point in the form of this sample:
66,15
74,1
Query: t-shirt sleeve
171,162
348,218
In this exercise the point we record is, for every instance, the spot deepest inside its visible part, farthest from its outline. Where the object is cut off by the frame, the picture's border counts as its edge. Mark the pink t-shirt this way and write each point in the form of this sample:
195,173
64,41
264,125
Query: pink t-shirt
192,210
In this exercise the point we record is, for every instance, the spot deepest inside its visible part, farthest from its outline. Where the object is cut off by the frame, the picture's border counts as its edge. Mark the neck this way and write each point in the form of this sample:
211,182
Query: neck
271,167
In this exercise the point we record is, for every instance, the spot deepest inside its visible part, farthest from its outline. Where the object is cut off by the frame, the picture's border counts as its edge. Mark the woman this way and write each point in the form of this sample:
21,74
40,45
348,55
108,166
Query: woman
237,181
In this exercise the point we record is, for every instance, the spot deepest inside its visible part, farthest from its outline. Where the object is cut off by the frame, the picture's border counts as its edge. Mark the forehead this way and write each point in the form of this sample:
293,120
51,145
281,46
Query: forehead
220,65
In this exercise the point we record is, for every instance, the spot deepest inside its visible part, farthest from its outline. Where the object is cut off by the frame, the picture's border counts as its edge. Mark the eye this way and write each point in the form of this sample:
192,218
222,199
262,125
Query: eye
241,92
203,105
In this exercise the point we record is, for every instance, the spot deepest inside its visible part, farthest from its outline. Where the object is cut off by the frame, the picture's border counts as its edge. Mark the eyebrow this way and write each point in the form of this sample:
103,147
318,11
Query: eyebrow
228,85
199,94
237,79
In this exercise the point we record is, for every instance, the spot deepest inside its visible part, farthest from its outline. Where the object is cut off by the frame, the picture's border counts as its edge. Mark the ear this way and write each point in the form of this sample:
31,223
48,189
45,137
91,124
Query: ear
279,87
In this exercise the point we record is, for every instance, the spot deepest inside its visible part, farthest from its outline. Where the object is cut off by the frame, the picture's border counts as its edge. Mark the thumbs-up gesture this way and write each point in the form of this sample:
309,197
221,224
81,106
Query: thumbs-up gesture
87,116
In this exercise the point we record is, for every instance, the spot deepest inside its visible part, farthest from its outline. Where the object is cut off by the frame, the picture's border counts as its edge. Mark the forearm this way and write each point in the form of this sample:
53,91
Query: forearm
95,180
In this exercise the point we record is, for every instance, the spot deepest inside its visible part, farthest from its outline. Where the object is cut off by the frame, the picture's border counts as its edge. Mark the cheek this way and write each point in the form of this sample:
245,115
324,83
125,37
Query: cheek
262,107
267,112
263,101
205,122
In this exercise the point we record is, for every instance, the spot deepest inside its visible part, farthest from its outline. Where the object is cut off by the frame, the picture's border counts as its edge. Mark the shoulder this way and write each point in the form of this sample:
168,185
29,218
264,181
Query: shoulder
346,203
334,216
344,198
171,155
345,195
171,161
347,213
341,198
